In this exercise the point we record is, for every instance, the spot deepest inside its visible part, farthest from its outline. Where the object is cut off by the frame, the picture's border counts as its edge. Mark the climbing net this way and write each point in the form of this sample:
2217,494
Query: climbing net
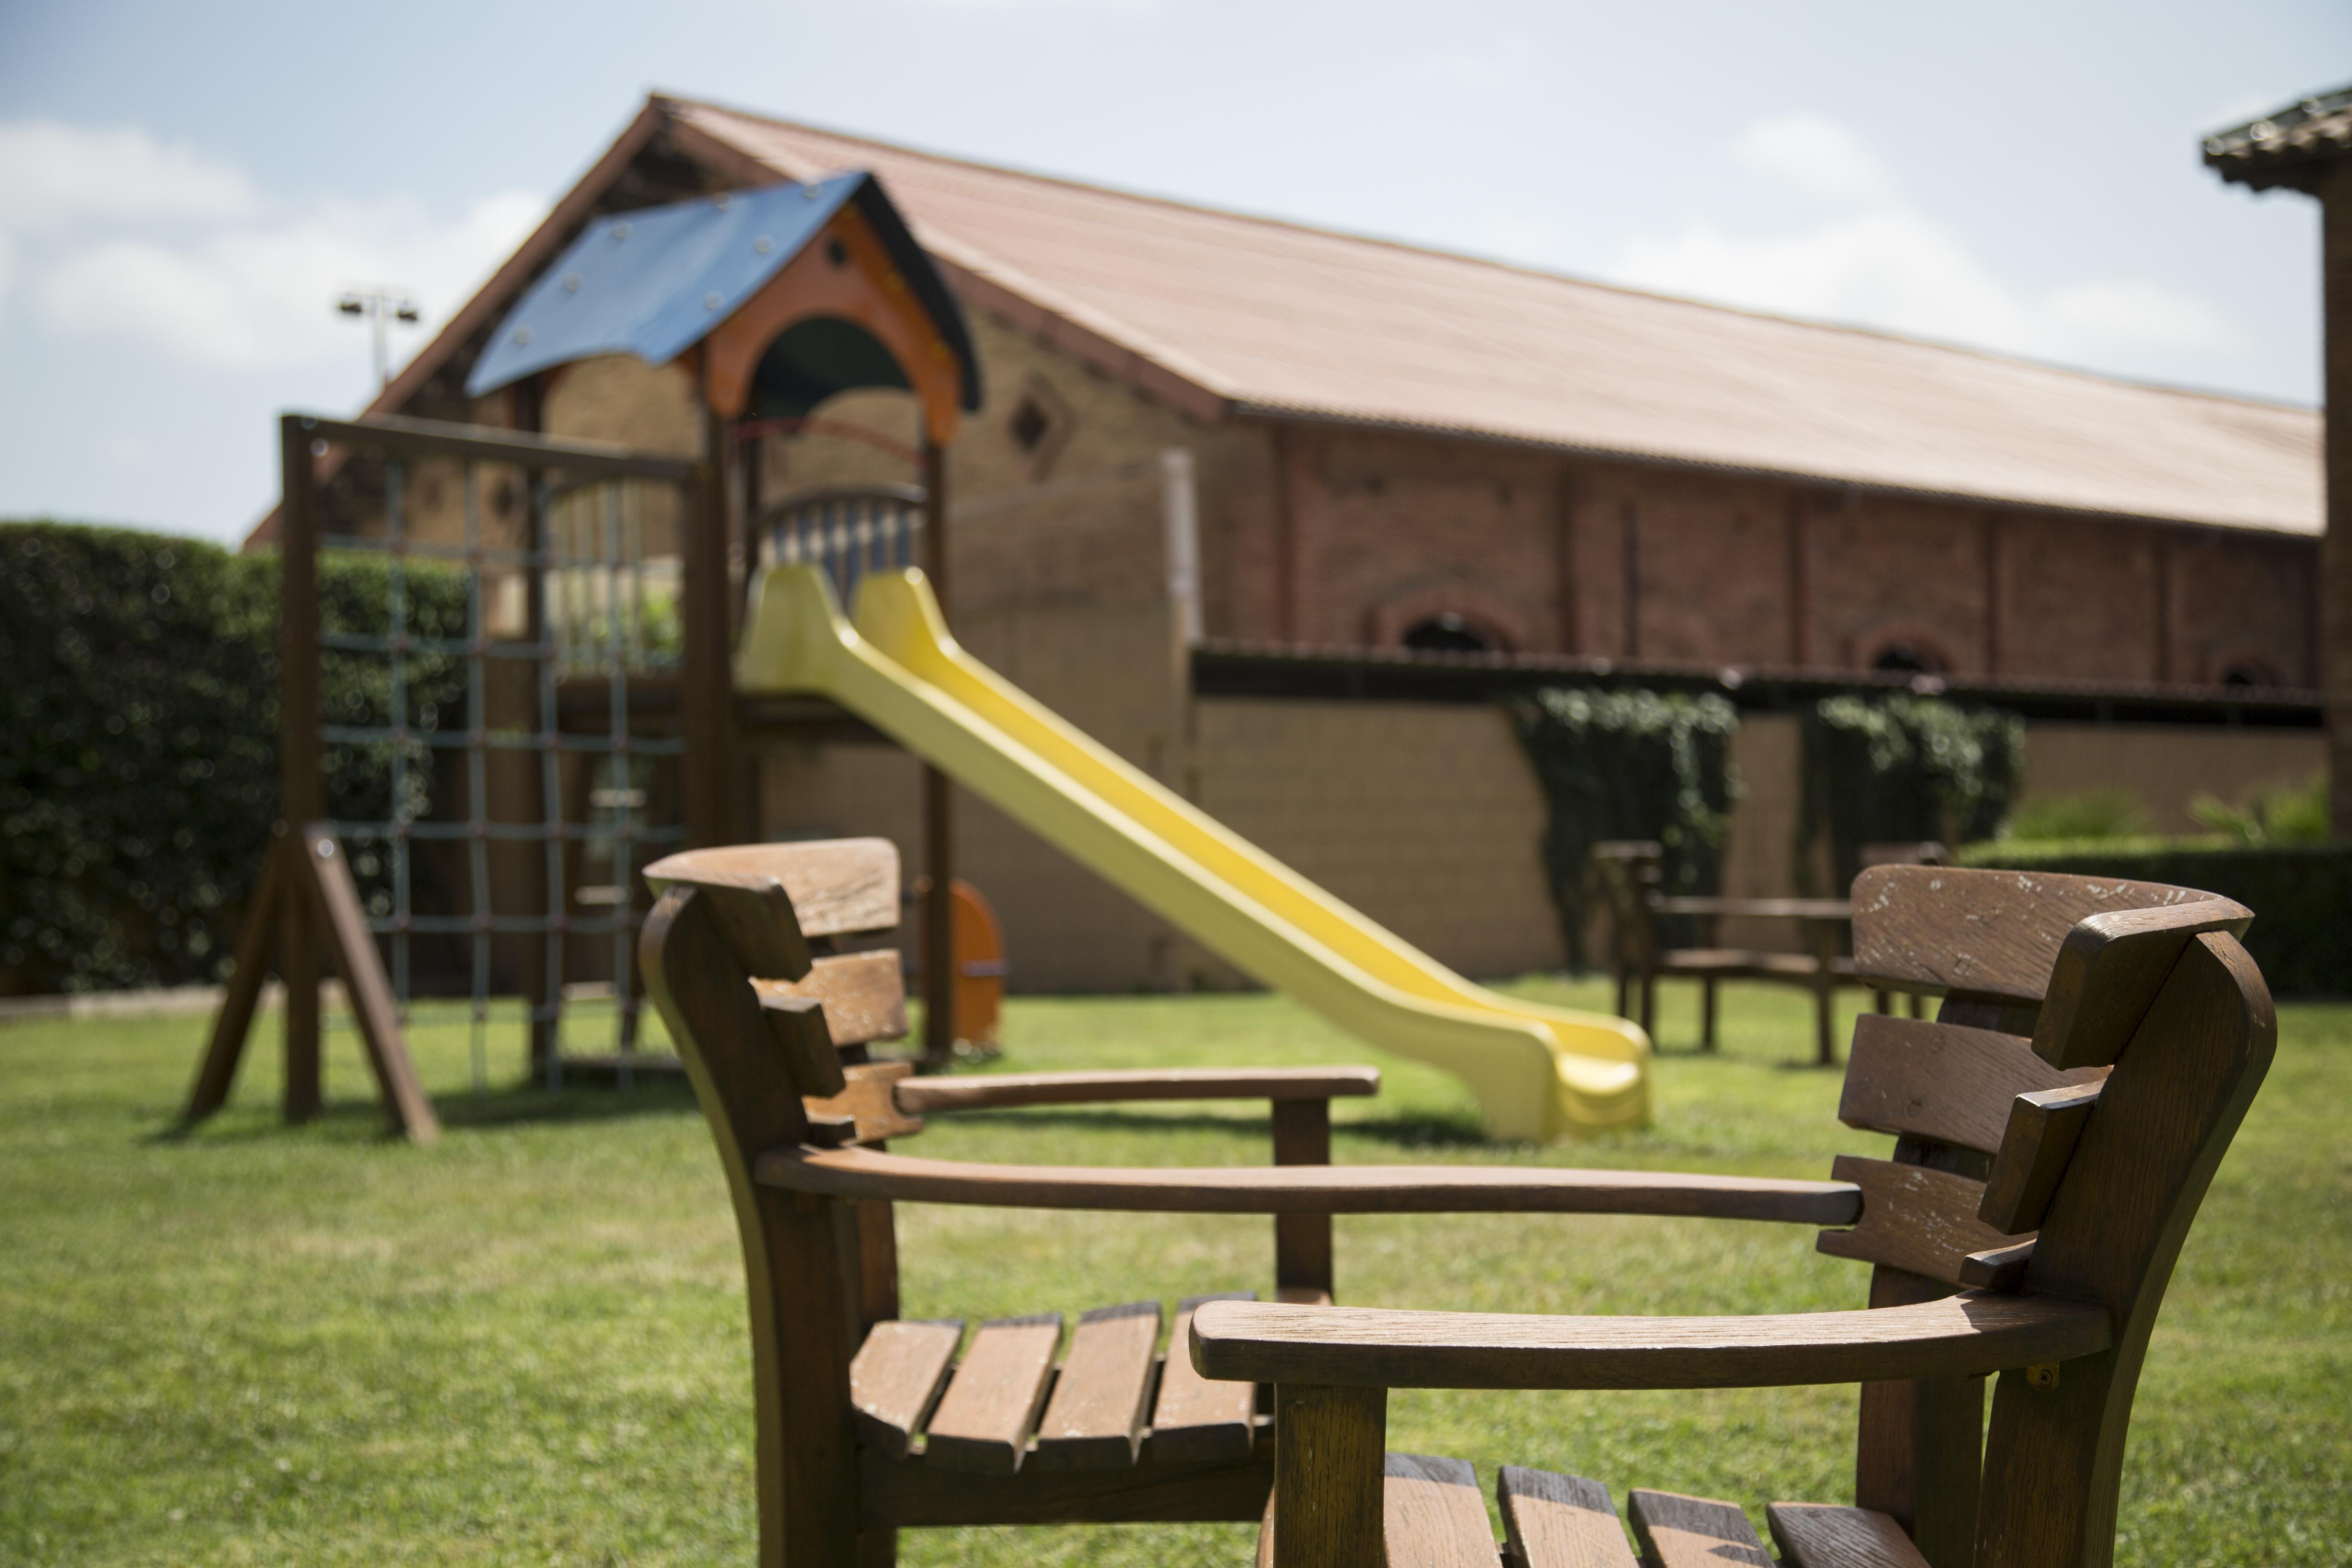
496,706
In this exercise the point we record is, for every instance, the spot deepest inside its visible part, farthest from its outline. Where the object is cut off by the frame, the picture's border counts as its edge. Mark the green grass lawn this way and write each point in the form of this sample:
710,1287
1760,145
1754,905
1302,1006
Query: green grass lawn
526,1344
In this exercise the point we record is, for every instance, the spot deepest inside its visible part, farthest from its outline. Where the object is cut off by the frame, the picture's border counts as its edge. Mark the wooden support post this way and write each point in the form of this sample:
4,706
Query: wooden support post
1917,1454
331,902
939,799
707,696
2333,599
306,890
1302,1242
1822,935
1328,1460
256,945
302,795
542,985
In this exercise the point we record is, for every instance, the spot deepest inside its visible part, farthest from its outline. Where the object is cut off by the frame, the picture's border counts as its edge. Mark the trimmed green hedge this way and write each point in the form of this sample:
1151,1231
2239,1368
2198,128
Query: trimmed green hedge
2301,893
1628,764
139,742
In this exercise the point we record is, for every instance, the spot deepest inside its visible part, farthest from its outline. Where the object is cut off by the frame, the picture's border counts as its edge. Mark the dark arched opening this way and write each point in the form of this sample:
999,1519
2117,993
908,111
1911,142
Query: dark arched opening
2247,673
819,358
1907,658
1447,633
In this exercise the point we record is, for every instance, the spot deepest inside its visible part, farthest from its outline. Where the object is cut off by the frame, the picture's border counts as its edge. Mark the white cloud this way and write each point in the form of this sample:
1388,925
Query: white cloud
263,295
1879,261
1814,154
52,175
117,235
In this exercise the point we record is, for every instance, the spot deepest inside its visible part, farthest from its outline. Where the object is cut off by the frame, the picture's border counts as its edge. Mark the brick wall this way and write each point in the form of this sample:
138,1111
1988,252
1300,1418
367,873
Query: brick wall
1370,530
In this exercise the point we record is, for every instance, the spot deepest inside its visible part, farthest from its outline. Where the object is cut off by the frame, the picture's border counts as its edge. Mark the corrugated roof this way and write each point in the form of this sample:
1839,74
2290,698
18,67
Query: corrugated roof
1281,319
2288,147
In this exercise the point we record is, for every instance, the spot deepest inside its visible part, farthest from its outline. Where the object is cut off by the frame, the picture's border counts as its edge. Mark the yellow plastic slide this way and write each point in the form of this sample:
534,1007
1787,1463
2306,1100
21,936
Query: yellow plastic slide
1538,1072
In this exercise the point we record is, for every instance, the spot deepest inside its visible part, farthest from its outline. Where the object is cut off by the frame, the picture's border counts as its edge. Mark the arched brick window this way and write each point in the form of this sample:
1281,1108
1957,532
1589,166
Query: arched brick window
1903,650
1444,617
1446,632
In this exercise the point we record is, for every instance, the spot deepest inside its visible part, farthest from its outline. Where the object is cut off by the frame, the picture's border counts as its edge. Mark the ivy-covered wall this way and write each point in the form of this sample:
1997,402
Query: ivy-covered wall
139,742
1901,769
1628,764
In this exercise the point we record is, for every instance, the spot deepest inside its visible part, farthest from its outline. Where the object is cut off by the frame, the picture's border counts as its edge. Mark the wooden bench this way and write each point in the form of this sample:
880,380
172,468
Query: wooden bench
1629,874
2055,1129
868,1422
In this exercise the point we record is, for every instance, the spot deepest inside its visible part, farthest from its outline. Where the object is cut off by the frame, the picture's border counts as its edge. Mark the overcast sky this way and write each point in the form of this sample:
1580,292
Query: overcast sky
185,189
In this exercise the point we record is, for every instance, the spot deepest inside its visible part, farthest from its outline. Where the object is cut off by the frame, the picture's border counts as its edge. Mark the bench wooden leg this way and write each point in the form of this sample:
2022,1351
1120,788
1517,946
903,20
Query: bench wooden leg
1302,1242
1329,1453
1706,1013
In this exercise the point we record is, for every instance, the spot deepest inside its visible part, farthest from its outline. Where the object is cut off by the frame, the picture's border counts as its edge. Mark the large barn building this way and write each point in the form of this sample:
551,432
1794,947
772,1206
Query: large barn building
1276,512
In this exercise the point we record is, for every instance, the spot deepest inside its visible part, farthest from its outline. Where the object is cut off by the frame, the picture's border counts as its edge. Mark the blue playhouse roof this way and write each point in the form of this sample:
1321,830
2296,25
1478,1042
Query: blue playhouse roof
655,282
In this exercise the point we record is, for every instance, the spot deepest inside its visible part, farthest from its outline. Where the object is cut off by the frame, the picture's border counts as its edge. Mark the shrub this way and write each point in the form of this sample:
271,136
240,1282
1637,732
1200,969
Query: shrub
2087,814
2300,894
2289,814
1628,764
1901,770
139,742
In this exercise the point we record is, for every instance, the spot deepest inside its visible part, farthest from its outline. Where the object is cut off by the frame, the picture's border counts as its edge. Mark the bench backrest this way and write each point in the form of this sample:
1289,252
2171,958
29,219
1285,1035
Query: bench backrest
782,909
2053,988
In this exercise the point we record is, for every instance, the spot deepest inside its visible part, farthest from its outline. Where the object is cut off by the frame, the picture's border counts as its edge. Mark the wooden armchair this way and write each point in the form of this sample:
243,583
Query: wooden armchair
2050,1154
867,1423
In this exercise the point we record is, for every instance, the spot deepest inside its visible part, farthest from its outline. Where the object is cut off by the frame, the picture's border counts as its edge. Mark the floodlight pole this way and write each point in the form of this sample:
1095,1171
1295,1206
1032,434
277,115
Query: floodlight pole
380,305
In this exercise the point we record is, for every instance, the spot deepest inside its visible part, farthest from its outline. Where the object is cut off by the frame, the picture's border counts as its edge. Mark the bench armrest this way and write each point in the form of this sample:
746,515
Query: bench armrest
917,1096
1967,1335
1308,1189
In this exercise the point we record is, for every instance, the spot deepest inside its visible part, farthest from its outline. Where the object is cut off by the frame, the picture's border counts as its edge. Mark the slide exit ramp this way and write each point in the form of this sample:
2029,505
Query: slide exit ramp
1537,1072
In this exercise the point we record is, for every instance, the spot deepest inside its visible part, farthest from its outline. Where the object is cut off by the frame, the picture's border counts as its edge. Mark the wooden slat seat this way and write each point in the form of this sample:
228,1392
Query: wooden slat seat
1820,1535
1737,963
1560,1522
1095,1417
1680,1532
983,1420
1198,1417
1432,1515
897,1377
1006,1405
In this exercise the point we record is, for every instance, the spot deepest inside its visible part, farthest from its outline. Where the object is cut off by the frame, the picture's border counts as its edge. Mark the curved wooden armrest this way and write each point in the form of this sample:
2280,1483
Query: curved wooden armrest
917,1096
1968,1335
1307,1189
